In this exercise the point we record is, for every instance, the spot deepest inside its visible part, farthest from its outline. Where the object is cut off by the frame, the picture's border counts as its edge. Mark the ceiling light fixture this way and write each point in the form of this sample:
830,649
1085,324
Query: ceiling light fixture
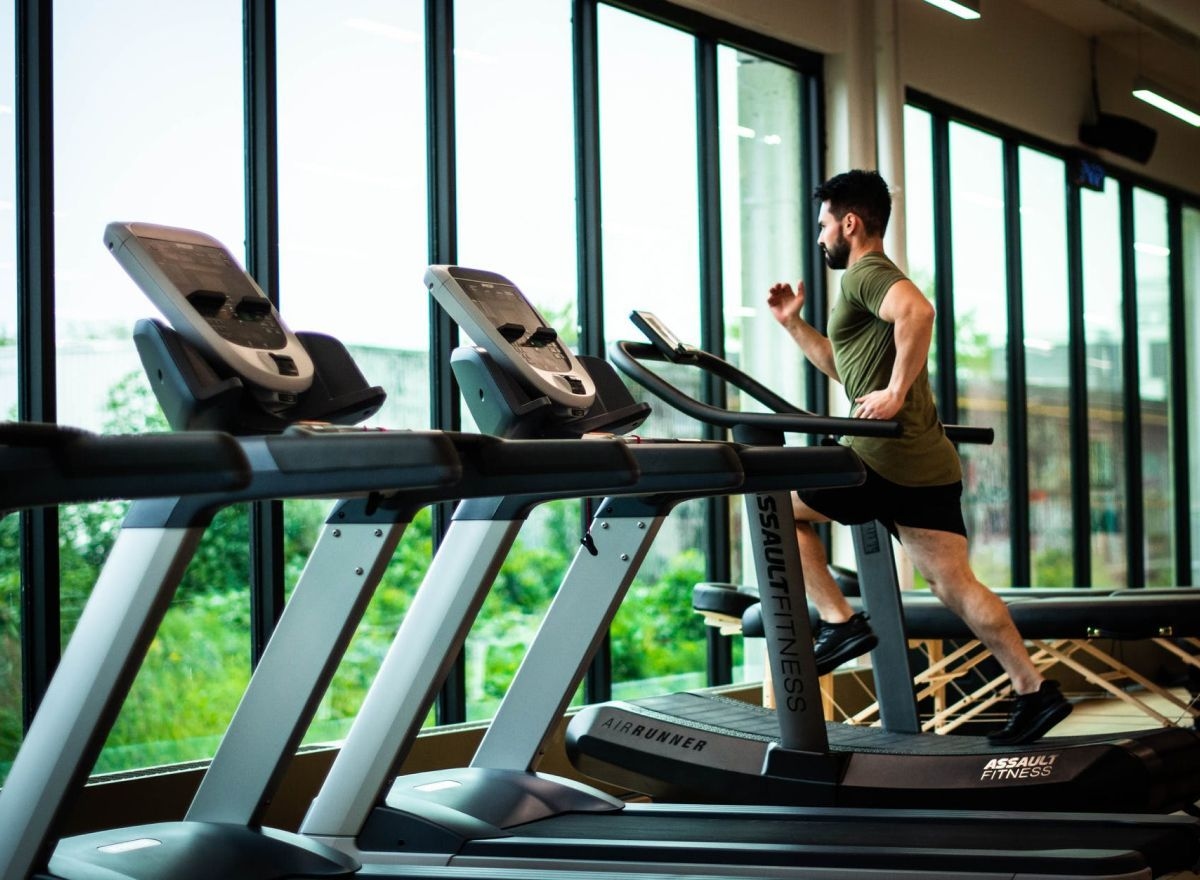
1154,94
968,9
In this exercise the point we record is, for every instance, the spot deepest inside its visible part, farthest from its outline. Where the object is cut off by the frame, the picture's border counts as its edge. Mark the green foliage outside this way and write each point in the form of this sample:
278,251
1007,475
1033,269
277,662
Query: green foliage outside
199,662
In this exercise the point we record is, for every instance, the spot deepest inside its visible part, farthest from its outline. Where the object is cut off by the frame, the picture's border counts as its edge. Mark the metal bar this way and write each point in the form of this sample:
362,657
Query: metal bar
267,585
1018,431
36,367
589,242
812,171
712,330
1081,517
881,600
943,246
1135,520
445,406
1179,415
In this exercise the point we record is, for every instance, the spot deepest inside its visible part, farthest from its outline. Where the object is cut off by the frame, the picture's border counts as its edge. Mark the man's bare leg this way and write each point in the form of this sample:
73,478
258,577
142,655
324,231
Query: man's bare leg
942,558
842,635
819,585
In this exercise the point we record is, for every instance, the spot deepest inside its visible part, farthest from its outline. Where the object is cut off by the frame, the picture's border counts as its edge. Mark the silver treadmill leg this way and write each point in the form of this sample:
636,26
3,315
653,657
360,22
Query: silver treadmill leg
433,630
93,677
573,628
310,639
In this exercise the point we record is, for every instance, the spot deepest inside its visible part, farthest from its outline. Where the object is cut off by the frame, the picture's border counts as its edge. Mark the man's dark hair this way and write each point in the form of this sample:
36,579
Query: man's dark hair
864,193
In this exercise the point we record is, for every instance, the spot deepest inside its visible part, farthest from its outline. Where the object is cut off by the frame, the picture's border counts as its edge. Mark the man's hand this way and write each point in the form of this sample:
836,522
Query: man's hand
881,404
784,303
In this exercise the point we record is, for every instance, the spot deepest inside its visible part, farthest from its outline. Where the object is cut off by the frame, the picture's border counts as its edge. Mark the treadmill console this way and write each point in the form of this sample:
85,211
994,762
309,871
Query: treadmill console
215,305
498,318
660,334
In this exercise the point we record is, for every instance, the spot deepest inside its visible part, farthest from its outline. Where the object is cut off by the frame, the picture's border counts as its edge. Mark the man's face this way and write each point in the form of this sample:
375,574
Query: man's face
832,242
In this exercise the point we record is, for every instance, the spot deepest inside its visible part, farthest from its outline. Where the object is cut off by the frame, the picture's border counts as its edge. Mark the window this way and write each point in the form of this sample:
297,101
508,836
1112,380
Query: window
764,203
1097,359
1104,344
1150,254
1047,366
981,340
122,155
650,201
516,216
919,212
353,251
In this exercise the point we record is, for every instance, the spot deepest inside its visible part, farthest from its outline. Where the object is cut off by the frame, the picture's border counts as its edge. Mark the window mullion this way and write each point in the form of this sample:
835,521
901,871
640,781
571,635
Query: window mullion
1178,419
1018,435
37,375
1135,526
267,588
1077,345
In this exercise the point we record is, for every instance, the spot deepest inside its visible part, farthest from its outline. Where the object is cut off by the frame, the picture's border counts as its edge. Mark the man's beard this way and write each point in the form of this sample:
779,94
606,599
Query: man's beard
839,256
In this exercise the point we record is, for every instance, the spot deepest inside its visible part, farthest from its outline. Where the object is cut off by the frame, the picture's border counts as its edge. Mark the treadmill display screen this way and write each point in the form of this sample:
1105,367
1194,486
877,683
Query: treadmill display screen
217,288
508,310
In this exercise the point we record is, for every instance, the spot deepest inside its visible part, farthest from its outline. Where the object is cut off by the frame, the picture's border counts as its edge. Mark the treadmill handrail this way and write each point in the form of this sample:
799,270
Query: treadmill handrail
786,416
626,356
46,464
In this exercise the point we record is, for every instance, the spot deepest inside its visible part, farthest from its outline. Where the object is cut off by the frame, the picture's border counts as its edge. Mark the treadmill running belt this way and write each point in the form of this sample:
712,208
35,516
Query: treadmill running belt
716,713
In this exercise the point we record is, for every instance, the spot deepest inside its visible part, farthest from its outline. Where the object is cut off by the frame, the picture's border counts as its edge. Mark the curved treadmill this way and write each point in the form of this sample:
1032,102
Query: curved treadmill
1155,770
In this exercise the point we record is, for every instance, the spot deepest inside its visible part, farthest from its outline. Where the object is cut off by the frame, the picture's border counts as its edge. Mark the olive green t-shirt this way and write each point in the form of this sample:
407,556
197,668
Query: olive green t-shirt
864,350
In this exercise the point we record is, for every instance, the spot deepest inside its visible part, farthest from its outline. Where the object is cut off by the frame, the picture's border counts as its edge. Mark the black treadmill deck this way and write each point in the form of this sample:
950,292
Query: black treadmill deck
915,841
700,746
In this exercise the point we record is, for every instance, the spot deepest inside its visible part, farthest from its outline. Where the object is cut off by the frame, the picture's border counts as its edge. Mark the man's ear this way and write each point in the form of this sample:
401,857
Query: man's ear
851,223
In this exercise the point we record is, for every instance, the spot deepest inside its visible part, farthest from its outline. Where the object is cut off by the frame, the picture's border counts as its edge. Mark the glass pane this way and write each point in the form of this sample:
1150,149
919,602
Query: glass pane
518,600
1047,367
515,124
980,343
10,578
169,152
1191,299
650,203
918,212
1104,339
353,250
352,215
763,204
1150,254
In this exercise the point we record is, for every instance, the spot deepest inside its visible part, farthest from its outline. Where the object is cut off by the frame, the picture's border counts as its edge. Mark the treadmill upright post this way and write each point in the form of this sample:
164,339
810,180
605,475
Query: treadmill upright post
785,622
881,600
582,609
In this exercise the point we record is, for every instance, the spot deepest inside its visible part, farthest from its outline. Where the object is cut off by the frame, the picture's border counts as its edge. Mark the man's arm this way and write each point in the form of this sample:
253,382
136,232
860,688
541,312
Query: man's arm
912,314
785,305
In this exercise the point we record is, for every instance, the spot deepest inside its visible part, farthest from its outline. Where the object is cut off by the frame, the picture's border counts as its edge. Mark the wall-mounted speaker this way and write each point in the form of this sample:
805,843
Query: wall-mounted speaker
1121,135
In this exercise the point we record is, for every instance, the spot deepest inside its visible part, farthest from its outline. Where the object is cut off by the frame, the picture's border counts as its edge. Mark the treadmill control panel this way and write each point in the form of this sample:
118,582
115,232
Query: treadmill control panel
498,317
214,304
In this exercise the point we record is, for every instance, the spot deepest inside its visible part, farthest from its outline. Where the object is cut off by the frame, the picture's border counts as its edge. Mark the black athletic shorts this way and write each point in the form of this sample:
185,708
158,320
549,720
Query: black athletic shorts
923,507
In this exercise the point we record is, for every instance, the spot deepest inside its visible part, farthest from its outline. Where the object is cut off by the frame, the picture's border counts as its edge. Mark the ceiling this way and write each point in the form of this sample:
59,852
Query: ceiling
1163,36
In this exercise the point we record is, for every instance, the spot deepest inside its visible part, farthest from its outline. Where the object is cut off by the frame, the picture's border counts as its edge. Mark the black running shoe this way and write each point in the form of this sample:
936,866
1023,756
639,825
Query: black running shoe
838,642
1033,715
